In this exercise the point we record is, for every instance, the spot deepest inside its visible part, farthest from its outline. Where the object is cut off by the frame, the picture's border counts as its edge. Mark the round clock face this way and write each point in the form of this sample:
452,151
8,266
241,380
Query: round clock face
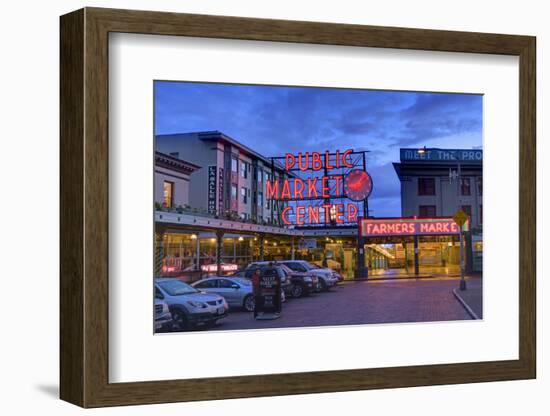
358,185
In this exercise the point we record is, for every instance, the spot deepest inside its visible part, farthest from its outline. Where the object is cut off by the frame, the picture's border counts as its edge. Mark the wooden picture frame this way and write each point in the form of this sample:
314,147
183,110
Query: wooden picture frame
84,207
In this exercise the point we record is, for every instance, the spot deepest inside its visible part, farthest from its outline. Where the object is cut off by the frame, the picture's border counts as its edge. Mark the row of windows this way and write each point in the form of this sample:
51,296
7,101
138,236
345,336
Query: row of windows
258,198
168,195
430,211
246,169
426,186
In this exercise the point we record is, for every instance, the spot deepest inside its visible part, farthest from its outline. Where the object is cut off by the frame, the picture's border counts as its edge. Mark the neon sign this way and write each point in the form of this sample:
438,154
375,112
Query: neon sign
226,267
355,185
407,226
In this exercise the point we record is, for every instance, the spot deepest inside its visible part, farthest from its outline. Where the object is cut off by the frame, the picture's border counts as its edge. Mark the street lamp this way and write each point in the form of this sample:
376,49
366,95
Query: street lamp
423,151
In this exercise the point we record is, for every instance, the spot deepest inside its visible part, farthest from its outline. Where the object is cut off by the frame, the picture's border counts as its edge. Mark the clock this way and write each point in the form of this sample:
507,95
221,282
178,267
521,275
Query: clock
357,185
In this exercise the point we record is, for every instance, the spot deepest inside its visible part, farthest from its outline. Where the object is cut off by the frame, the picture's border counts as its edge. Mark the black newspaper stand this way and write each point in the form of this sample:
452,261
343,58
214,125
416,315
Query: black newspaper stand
268,294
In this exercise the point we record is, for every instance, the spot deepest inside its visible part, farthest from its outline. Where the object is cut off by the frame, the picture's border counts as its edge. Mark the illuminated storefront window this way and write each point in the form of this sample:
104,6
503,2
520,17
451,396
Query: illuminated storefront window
168,194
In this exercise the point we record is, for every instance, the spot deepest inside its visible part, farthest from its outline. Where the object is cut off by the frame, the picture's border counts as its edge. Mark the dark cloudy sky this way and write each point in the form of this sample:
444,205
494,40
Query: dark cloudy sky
275,120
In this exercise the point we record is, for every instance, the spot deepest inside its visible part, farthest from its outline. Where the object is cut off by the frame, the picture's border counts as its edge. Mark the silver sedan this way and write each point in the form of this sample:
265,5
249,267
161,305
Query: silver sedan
237,291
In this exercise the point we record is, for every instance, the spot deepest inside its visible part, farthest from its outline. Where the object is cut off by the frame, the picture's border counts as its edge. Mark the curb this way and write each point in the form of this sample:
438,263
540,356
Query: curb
369,279
465,305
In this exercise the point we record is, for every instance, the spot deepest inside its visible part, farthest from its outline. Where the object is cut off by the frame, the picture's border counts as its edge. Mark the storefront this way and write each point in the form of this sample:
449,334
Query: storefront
411,246
191,247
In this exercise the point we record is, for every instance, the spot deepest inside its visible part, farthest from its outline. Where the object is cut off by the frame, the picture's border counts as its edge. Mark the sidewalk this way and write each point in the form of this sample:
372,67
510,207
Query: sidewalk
472,297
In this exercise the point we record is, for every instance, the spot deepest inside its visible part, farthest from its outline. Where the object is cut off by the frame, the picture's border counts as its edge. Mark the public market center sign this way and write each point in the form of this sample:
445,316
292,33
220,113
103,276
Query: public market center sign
325,183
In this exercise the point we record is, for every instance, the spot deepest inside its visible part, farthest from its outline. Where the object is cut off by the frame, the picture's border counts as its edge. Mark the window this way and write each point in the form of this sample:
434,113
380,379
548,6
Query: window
168,194
267,203
465,186
234,164
426,211
467,209
269,272
233,191
481,214
297,267
226,284
244,169
207,284
426,186
260,199
244,195
260,175
480,186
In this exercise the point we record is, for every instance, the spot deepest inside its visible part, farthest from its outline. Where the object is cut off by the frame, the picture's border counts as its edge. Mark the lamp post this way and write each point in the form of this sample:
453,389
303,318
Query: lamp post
423,151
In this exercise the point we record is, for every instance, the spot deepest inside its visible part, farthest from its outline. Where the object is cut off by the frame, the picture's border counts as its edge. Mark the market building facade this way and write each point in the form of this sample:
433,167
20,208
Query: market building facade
242,206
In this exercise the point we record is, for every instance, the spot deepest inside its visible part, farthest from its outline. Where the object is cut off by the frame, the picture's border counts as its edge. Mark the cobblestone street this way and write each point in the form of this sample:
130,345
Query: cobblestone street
353,303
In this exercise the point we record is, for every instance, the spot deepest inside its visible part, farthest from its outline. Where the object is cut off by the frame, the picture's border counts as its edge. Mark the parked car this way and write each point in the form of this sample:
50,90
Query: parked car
327,278
301,284
237,291
163,317
190,307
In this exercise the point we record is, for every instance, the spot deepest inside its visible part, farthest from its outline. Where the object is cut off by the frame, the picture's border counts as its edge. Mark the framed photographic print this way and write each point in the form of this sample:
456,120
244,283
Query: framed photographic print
255,207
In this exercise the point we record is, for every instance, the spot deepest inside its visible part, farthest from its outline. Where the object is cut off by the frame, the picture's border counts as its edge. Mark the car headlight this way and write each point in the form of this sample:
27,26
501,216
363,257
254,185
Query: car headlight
196,304
307,279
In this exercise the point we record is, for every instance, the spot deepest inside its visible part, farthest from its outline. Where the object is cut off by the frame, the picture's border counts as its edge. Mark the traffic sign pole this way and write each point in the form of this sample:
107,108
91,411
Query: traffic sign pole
462,280
460,218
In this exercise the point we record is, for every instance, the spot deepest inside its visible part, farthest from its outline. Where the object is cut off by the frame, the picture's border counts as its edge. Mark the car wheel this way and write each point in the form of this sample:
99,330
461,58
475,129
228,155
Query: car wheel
248,303
179,321
297,291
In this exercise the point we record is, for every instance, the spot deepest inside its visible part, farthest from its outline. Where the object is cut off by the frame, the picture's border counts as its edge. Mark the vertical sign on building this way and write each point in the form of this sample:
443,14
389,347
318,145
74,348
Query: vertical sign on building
212,178
220,190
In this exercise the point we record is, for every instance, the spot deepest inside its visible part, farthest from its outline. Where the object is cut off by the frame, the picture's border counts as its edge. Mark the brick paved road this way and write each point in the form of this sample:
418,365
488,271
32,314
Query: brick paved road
363,302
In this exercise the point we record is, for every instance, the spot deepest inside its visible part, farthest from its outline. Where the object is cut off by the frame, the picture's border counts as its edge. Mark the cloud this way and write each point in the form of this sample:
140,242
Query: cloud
275,120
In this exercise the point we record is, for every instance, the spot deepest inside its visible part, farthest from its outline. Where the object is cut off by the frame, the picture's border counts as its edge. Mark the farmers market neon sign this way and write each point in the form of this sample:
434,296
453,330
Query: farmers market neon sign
356,185
407,226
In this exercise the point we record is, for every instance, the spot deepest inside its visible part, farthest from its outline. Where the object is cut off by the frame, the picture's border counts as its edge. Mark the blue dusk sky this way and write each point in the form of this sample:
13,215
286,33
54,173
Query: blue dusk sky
274,120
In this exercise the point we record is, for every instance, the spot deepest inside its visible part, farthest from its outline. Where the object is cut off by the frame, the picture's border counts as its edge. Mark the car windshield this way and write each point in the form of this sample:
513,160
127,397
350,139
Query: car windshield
176,287
243,281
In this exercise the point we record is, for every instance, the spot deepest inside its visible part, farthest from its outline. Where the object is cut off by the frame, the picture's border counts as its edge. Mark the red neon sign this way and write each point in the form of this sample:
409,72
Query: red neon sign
226,267
407,226
315,161
319,187
317,214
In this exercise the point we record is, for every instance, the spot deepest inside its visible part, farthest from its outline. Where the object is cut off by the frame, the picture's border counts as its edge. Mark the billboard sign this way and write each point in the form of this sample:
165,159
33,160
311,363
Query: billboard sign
442,155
